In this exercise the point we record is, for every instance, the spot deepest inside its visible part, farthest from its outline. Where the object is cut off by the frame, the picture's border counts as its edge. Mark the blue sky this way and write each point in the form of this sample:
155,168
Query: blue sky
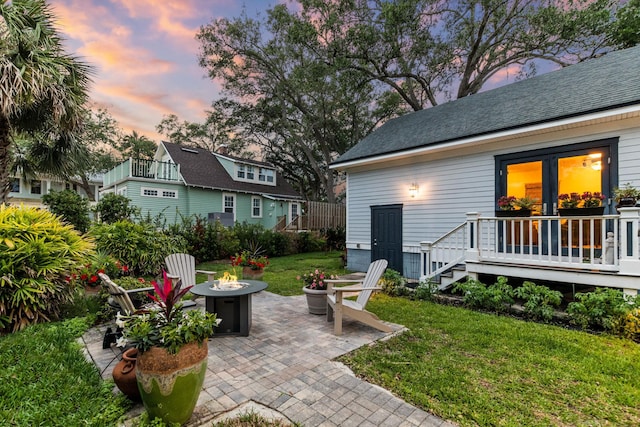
145,54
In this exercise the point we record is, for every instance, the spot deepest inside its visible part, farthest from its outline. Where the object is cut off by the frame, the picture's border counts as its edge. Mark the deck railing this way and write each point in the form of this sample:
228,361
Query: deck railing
607,243
143,168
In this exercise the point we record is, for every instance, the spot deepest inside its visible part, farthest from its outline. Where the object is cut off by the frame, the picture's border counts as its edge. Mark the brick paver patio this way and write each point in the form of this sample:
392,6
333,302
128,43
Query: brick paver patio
285,366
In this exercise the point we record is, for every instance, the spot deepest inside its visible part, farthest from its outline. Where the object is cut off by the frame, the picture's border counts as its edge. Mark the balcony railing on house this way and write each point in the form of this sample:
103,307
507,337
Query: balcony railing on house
606,243
143,168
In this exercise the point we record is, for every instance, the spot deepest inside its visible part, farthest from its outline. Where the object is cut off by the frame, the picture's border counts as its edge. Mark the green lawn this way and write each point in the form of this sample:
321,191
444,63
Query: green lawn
468,367
481,369
282,272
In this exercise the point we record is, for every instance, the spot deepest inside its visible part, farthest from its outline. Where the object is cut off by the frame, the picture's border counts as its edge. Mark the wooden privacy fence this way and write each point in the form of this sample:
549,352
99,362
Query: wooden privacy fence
319,215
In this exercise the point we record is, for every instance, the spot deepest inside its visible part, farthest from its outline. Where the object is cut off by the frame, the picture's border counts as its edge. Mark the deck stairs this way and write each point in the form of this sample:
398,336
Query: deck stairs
453,275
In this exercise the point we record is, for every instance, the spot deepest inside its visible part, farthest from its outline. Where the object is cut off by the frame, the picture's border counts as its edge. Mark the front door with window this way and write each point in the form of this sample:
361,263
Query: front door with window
550,176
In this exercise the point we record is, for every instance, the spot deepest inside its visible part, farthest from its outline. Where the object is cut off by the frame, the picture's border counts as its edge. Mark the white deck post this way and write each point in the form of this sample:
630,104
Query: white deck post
473,228
425,259
629,255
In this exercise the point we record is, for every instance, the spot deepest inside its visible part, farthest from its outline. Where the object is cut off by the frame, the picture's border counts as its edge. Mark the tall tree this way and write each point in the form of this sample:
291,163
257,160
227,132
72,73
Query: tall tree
288,99
430,51
43,90
137,146
216,131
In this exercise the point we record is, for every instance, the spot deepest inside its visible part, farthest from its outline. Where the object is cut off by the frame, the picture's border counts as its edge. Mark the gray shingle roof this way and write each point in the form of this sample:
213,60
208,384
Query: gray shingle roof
610,81
200,168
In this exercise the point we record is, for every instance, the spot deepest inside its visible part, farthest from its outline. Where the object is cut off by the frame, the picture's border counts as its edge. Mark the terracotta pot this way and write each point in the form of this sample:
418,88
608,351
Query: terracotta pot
248,273
124,374
170,384
316,300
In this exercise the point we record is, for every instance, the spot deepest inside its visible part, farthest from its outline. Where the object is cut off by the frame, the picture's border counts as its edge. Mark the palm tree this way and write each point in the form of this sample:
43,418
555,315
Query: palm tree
137,146
43,90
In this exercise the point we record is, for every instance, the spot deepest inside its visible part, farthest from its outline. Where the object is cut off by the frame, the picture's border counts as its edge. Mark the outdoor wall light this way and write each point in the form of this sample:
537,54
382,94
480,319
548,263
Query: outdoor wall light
413,190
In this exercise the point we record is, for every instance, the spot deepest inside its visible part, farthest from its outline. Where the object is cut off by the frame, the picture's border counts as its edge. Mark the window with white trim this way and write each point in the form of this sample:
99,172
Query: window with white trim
241,171
158,192
36,187
256,207
15,185
250,174
265,175
229,203
122,191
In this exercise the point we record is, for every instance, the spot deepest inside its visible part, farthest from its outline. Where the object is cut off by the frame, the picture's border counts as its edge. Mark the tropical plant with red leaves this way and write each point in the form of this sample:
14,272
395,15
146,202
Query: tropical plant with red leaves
167,325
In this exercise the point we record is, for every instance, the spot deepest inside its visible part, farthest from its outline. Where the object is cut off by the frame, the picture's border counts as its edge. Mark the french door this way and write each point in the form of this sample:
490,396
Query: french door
547,175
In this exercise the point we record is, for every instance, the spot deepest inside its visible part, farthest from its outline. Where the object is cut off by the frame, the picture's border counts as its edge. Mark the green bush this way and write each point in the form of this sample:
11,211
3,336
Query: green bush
276,243
392,283
206,241
539,301
114,207
426,290
139,246
70,206
497,297
37,252
335,238
308,242
601,308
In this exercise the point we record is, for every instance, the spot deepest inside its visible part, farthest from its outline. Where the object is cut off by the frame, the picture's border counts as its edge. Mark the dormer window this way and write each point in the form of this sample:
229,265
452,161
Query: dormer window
253,173
265,175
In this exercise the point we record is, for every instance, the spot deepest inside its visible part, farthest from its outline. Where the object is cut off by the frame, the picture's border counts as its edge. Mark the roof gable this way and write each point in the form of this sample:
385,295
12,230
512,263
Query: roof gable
200,168
608,82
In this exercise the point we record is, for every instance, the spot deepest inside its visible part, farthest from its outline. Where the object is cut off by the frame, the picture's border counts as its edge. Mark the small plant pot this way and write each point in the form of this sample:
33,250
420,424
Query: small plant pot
250,274
316,300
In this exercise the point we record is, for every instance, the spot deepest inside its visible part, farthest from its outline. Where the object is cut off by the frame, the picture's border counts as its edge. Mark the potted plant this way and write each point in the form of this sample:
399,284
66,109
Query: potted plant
172,352
315,288
514,206
626,196
252,264
587,203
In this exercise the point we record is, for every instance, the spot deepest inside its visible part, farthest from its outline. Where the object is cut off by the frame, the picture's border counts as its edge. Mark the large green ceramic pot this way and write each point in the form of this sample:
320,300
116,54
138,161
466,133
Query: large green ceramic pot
170,383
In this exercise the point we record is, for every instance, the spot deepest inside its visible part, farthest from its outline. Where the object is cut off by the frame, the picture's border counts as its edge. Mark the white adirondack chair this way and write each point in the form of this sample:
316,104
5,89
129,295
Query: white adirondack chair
121,298
338,306
183,267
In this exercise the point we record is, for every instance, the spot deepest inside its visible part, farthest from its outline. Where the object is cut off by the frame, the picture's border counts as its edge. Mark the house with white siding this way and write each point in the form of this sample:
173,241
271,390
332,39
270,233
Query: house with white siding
28,191
183,181
422,190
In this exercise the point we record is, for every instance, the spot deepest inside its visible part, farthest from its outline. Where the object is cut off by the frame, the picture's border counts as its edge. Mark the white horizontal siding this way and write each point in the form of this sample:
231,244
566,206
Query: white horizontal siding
449,187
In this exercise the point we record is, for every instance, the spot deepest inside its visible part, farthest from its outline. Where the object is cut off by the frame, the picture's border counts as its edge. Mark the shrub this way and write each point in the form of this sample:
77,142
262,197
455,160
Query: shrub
308,242
426,290
335,237
392,283
205,240
114,207
497,297
601,308
70,206
138,246
628,325
538,300
275,243
38,252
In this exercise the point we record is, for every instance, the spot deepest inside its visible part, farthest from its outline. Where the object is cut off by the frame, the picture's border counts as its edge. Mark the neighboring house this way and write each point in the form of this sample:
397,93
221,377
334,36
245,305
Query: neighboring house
422,189
29,191
183,181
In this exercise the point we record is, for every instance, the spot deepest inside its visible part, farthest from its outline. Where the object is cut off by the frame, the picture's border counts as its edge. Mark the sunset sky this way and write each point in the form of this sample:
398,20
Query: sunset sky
145,54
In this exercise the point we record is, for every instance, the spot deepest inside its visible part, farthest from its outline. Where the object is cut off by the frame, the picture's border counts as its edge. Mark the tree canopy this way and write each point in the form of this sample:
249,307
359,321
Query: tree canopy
43,89
308,82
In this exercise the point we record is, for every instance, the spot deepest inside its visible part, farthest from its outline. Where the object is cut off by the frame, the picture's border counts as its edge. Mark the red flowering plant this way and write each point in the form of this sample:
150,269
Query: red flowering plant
87,276
250,259
592,200
506,203
571,200
315,280
167,325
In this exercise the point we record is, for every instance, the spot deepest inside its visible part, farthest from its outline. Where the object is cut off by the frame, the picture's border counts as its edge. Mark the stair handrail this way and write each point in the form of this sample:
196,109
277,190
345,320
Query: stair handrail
442,243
